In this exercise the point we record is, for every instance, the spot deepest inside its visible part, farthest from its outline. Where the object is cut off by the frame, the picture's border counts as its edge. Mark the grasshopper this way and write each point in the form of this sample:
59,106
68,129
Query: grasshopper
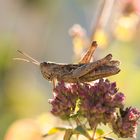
84,71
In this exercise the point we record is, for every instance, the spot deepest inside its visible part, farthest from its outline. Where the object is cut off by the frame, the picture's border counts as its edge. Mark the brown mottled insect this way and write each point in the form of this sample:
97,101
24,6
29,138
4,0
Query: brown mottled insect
84,71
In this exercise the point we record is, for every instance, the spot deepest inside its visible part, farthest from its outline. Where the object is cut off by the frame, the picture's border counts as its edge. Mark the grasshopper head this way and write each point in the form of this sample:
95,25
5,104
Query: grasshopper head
45,70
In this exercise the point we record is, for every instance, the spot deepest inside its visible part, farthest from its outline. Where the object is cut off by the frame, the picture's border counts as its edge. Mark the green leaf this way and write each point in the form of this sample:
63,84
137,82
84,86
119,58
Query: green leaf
73,116
68,134
80,130
54,130
76,110
107,138
77,106
99,132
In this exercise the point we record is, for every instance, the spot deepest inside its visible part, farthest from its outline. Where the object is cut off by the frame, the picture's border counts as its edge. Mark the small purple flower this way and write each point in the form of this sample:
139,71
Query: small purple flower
101,99
64,102
118,100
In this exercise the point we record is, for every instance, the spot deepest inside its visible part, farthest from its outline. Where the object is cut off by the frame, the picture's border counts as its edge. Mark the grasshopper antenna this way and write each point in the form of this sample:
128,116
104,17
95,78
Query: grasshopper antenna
31,60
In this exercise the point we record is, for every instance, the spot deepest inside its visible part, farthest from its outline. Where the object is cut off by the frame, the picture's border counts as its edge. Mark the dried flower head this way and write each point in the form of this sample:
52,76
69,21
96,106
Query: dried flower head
77,30
125,125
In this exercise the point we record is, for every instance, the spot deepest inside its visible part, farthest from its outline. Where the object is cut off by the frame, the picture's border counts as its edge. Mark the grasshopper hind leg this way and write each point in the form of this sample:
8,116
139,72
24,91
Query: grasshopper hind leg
86,68
88,55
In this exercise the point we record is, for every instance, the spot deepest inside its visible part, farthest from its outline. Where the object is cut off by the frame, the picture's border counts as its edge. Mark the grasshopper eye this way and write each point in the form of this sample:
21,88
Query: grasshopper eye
45,71
43,64
43,67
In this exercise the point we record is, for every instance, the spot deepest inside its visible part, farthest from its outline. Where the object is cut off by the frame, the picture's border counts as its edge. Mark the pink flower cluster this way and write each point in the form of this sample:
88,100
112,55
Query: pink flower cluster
98,103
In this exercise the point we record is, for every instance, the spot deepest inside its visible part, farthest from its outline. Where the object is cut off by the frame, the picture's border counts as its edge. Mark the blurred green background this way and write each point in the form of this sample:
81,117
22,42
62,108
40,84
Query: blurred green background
42,27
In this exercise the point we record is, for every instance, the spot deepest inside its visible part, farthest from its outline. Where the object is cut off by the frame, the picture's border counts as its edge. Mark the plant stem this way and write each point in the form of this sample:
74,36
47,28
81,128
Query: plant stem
87,134
77,122
94,131
104,135
103,16
97,24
